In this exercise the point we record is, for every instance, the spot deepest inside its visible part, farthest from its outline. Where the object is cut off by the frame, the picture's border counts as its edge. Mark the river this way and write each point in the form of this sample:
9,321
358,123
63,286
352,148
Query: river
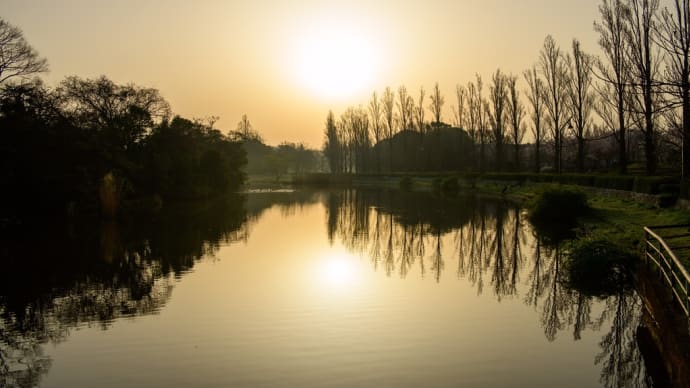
339,288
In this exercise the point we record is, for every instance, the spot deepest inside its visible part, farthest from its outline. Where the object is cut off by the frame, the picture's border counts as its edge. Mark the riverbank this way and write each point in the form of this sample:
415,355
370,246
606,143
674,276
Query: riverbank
618,215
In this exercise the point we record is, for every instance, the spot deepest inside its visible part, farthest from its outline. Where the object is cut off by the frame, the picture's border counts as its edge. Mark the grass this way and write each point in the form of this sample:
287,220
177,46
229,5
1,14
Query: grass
614,219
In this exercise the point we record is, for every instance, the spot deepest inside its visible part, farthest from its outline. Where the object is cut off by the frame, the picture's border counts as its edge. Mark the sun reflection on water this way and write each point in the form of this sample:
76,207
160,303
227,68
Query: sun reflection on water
337,271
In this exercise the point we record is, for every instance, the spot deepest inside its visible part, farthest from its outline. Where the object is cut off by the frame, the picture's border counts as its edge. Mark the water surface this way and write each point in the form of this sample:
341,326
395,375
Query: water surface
310,289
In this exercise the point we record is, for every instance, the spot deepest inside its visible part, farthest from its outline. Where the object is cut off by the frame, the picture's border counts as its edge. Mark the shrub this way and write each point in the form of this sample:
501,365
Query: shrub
598,267
557,205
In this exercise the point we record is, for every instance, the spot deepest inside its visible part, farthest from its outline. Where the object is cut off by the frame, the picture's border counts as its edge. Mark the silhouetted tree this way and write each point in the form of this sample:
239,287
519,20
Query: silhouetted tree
377,125
388,102
332,147
123,114
673,36
419,111
581,98
498,93
555,72
460,111
515,112
614,72
17,57
436,105
244,131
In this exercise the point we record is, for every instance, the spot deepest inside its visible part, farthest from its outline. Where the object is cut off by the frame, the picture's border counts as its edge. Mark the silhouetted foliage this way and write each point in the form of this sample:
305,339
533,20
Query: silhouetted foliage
597,267
558,206
60,143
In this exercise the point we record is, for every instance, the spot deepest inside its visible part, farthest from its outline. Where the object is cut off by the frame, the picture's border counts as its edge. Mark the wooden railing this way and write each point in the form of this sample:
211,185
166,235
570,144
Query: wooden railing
671,268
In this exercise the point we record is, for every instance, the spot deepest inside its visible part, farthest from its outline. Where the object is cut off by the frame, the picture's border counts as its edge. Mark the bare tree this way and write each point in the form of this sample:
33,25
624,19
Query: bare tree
555,71
419,111
332,147
405,108
614,73
482,107
645,61
17,57
376,114
473,110
498,94
516,112
535,96
245,131
581,98
388,102
461,110
436,104
673,35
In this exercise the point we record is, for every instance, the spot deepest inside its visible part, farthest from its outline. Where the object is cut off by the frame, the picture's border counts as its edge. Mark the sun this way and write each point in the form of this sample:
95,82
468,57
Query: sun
336,60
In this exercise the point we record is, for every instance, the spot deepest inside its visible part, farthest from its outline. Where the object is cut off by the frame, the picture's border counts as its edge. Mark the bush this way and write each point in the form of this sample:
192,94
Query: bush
598,267
557,205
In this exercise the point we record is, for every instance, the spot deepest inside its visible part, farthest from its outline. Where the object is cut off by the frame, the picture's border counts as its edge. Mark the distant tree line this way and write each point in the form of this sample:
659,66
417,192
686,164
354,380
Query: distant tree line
69,147
263,159
576,111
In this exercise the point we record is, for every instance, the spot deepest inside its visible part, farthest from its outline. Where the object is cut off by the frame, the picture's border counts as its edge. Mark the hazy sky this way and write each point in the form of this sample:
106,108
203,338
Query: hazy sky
286,63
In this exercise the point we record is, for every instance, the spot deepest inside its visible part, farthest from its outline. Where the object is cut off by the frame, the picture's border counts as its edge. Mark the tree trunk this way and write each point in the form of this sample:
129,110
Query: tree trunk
622,151
686,130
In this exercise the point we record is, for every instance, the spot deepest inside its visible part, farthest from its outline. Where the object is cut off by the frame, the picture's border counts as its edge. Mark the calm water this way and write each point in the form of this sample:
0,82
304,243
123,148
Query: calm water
309,289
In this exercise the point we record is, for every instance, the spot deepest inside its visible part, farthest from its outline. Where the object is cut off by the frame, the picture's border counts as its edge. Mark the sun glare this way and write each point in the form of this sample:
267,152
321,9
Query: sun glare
337,271
335,60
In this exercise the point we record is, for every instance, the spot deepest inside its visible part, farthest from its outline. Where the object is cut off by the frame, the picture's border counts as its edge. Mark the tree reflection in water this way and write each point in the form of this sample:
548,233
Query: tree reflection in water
84,275
494,247
95,275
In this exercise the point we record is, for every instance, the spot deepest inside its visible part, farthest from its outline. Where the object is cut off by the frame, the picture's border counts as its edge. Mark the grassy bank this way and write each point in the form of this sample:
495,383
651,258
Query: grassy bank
615,218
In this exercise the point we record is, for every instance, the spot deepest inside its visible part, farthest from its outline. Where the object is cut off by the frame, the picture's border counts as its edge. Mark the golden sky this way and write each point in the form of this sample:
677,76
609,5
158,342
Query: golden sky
286,63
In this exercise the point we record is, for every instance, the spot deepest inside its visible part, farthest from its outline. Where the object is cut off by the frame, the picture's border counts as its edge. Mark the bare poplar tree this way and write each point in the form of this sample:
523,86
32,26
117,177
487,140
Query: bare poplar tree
553,64
388,102
436,104
419,111
481,107
460,110
405,108
535,96
472,118
17,57
645,62
555,71
516,112
377,126
673,35
332,146
614,73
498,95
406,116
581,98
